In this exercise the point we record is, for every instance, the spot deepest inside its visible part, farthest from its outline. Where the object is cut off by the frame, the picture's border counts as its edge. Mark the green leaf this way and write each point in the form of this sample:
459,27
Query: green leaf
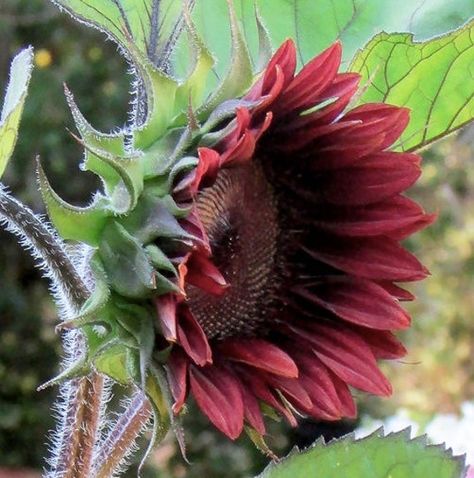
435,79
315,24
376,456
20,73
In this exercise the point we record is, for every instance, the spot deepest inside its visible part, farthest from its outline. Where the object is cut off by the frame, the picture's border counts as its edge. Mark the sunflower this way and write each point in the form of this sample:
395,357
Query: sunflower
288,298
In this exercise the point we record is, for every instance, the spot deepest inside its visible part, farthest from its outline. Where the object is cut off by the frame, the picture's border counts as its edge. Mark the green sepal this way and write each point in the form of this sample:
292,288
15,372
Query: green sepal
20,74
160,260
122,175
265,49
155,217
187,163
269,412
161,157
191,92
239,77
113,363
90,311
161,93
259,442
126,264
113,143
75,370
72,222
157,392
139,323
225,111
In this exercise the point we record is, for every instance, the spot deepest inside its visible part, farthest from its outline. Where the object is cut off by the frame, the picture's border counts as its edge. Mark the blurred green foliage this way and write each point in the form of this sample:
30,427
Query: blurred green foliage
436,376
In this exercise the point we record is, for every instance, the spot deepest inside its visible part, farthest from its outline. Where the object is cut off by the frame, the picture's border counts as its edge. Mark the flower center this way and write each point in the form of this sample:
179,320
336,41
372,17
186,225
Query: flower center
239,213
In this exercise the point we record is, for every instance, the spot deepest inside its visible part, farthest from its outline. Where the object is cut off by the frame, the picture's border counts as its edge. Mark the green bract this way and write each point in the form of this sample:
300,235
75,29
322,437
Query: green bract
20,74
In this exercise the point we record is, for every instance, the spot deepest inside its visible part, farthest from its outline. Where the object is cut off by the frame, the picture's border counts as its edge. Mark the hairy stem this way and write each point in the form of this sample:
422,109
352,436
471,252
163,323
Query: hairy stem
82,398
45,246
81,425
121,438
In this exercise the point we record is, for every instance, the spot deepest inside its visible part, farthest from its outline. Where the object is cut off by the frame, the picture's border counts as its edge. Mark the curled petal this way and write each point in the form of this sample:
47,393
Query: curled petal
218,395
192,338
306,87
178,365
204,274
166,309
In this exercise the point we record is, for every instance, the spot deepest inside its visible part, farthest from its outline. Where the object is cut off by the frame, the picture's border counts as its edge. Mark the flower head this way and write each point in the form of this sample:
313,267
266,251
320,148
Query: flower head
288,297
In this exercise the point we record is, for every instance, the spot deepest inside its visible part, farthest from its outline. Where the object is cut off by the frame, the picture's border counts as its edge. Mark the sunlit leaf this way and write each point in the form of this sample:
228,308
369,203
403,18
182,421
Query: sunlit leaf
20,74
315,24
435,79
376,456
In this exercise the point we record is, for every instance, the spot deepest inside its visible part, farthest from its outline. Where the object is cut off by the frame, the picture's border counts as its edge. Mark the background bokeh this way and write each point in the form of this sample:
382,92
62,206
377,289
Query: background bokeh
436,377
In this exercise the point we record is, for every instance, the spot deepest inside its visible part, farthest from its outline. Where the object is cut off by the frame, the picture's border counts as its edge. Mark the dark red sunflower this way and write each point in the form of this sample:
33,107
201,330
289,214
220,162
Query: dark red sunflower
289,297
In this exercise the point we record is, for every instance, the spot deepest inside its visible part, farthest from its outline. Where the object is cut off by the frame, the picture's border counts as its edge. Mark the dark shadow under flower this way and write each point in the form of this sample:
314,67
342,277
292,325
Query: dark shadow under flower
289,298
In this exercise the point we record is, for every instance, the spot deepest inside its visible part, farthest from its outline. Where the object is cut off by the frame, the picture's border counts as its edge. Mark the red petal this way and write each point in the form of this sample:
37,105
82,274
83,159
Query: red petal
384,344
204,274
377,178
193,224
394,217
359,301
178,365
346,87
166,309
396,118
311,81
260,354
285,58
242,122
252,411
218,395
396,291
347,355
348,406
293,391
192,338
317,380
378,258
261,390
242,151
203,175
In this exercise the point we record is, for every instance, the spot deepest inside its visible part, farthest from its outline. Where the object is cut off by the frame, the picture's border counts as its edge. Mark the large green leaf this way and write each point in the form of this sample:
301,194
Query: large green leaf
435,79
20,74
376,456
315,24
